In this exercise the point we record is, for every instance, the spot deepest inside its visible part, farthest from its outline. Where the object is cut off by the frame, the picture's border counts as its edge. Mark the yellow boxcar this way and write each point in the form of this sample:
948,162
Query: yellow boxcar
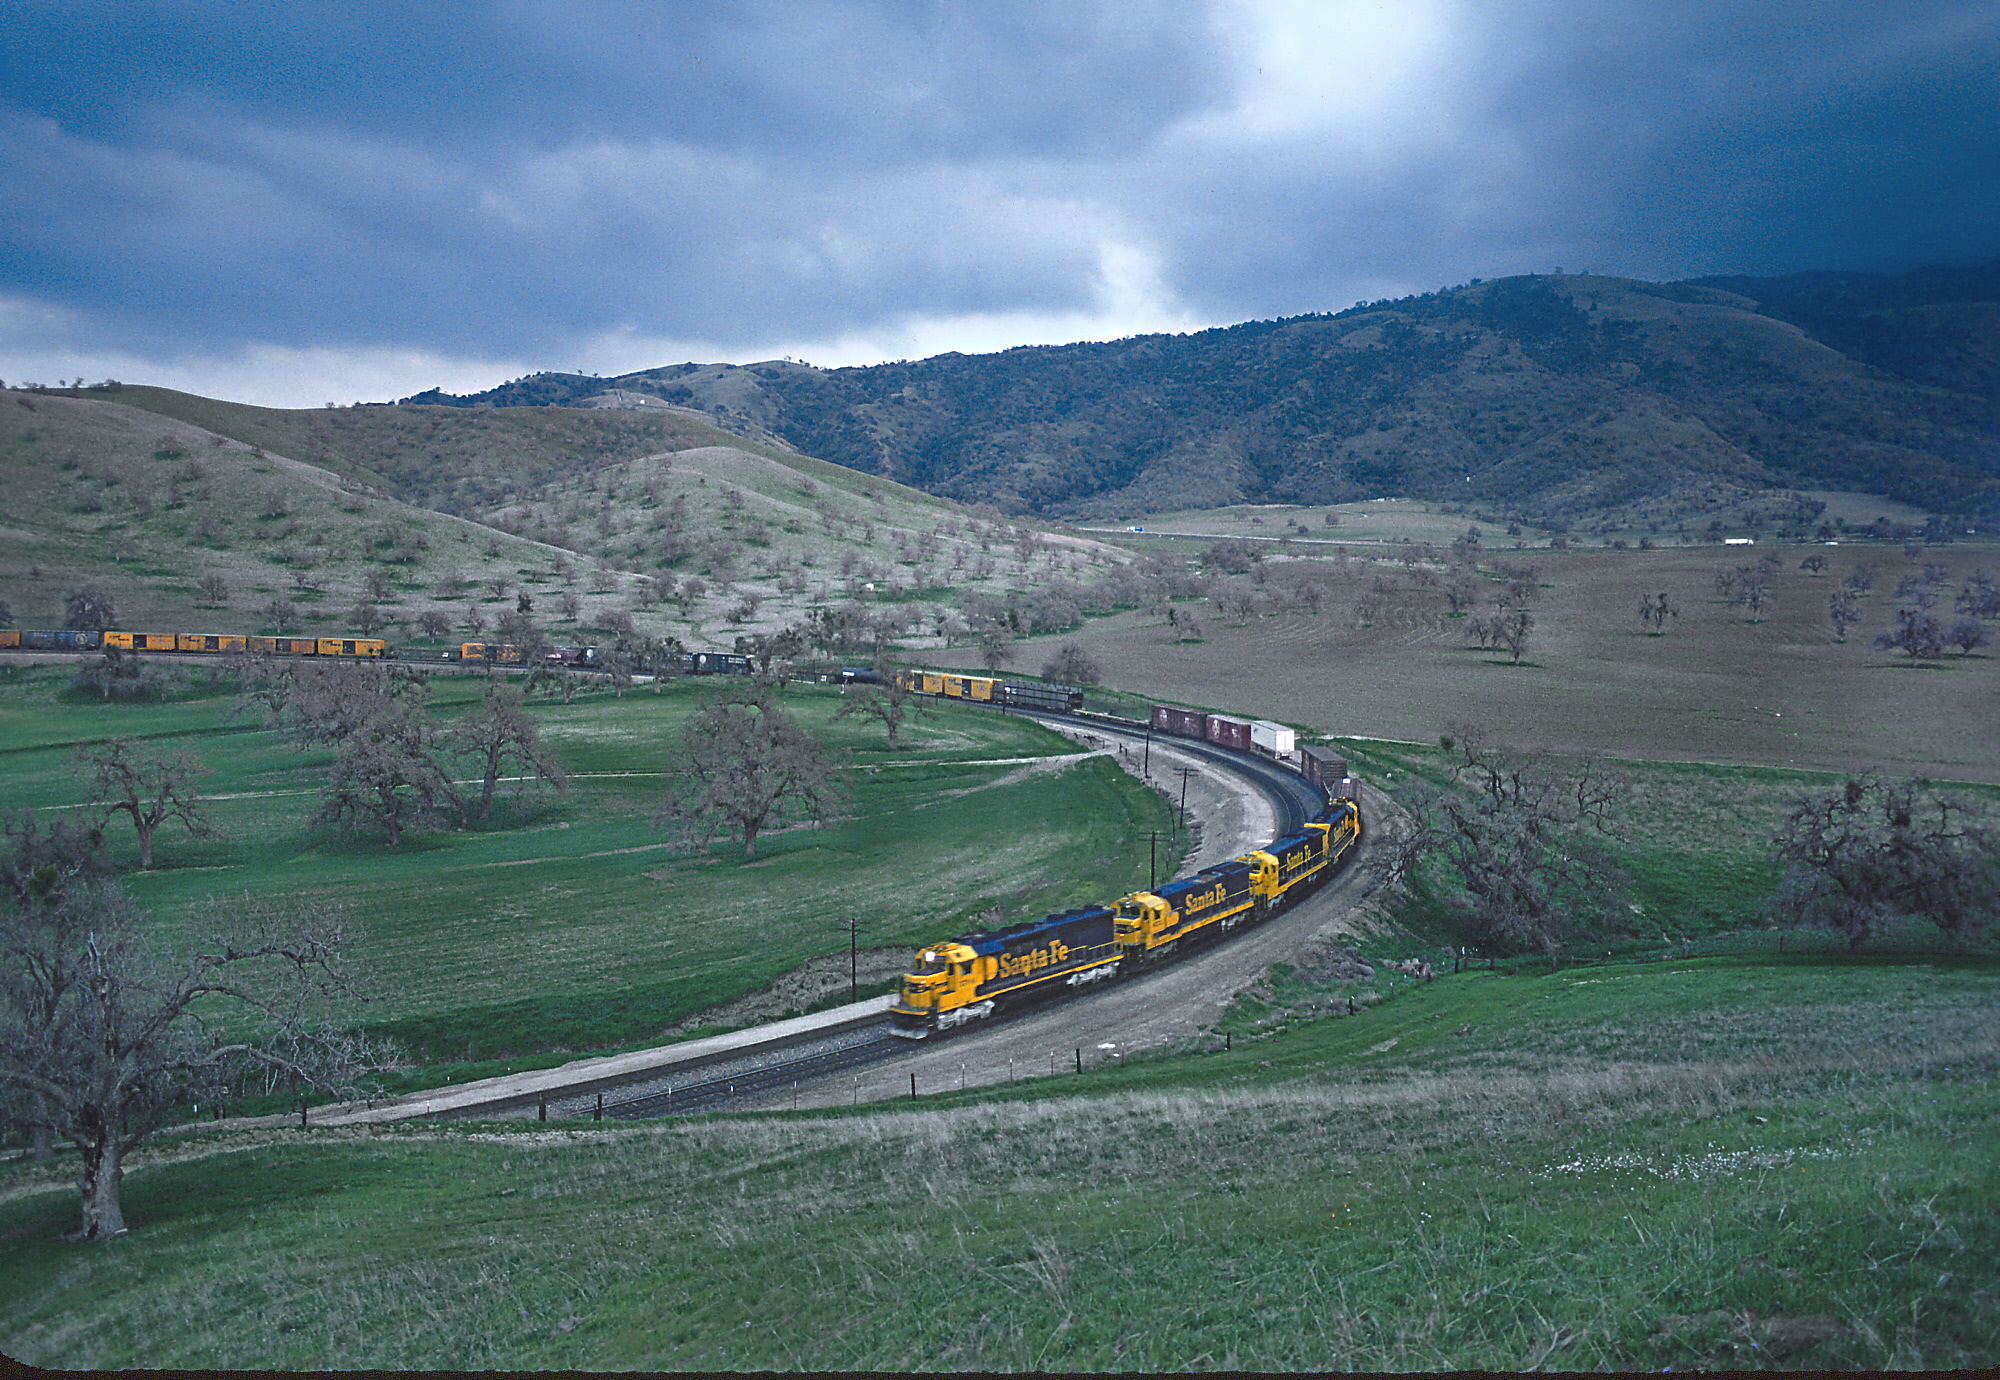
285,646
210,642
933,683
10,637
352,646
141,642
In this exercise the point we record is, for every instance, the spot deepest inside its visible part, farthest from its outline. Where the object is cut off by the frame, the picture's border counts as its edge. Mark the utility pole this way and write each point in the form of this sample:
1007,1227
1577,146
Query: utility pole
1146,770
1185,772
1153,859
853,928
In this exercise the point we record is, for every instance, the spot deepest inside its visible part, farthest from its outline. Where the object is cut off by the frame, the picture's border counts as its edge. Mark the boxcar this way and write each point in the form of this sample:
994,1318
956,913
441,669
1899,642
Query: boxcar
1323,767
1229,733
353,646
210,642
141,641
285,646
1187,723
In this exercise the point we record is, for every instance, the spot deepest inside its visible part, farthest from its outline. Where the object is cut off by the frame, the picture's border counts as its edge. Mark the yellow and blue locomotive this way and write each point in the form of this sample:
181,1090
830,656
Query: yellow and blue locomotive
969,977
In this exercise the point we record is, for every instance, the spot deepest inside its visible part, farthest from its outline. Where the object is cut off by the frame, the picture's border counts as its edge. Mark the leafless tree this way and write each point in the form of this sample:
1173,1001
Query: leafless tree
117,675
1655,610
1869,853
1461,589
152,787
746,768
996,648
280,614
1510,628
1917,632
366,618
501,734
102,1036
1967,634
1072,666
386,771
90,608
1978,596
434,623
1843,611
1523,833
891,700
214,590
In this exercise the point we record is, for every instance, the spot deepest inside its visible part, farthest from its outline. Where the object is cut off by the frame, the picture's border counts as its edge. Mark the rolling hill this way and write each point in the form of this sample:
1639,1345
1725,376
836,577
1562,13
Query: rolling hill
1559,398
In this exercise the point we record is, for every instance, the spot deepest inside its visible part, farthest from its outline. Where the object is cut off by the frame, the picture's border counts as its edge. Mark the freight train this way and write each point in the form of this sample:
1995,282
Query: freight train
969,977
73,640
367,648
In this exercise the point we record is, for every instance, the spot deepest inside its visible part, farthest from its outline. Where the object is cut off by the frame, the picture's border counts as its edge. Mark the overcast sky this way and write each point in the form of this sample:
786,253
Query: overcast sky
291,204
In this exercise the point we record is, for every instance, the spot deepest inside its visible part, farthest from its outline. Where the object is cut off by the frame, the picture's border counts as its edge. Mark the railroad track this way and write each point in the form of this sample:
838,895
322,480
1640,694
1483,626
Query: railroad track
762,1081
754,1076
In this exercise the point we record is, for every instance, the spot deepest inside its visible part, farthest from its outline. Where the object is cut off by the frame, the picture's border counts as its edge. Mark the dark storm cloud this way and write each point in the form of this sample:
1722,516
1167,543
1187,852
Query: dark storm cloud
509,181
1650,140
510,176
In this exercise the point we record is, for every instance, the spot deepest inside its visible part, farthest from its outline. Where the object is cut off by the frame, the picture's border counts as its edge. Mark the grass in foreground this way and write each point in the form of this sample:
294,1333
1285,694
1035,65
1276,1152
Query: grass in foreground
575,925
1702,1164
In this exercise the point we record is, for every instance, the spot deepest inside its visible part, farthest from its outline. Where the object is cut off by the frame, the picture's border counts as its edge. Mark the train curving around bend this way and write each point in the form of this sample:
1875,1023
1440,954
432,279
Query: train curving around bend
969,977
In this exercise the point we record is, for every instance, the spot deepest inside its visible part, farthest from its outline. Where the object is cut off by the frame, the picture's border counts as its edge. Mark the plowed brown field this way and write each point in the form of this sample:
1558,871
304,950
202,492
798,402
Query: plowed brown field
1715,687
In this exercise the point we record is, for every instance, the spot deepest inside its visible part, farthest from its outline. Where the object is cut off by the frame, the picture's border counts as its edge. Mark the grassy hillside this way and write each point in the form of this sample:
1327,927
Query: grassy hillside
1570,398
572,923
1694,1165
599,517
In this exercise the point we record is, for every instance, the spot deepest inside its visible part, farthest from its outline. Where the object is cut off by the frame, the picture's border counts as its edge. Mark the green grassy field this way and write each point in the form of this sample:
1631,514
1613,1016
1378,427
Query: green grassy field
1724,1156
573,924
1688,1165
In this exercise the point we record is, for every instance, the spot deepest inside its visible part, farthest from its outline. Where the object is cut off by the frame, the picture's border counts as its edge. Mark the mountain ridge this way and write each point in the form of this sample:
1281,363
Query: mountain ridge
1562,397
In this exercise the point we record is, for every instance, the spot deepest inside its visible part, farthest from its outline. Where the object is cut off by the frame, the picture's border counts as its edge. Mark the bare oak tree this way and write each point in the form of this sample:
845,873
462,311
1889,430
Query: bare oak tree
1072,665
102,1035
746,768
1523,834
501,734
891,699
1869,853
386,771
151,787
